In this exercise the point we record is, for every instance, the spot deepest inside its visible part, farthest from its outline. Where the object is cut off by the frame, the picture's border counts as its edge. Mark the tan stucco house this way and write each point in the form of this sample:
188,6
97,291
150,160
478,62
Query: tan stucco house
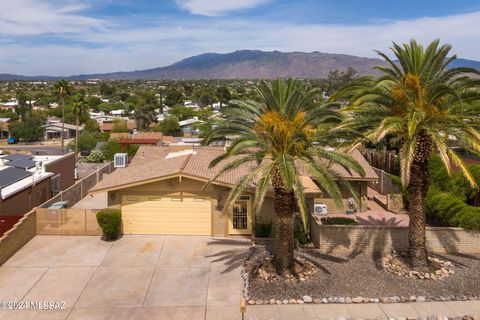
164,190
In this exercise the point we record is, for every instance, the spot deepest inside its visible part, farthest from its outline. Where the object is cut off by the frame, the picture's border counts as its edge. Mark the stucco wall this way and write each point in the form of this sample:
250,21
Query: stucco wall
15,238
360,187
378,239
25,200
64,166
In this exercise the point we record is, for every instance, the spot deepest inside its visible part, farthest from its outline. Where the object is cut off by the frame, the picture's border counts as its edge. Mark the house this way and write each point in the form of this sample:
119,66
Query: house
26,181
165,190
4,131
10,105
108,126
53,130
101,118
188,125
118,112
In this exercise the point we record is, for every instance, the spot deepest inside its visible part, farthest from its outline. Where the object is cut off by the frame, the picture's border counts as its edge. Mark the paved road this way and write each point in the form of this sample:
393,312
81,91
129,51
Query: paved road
50,150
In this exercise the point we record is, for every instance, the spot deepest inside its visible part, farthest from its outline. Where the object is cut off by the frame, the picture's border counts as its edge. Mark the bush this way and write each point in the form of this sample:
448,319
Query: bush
95,156
110,220
338,221
263,229
302,237
447,208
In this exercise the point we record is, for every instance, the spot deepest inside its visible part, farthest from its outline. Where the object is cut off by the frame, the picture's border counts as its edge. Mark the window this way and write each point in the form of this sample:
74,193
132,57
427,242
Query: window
155,198
132,198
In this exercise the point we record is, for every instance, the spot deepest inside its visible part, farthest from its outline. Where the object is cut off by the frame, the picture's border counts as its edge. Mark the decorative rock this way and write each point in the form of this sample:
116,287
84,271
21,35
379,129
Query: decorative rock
293,301
278,302
285,301
421,299
300,301
341,300
271,301
357,300
395,299
317,301
348,300
375,300
259,302
324,300
251,302
307,299
385,300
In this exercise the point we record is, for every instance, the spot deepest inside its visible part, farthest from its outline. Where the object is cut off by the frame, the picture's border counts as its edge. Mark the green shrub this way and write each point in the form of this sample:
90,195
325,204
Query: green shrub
110,220
339,221
95,156
302,237
451,210
263,229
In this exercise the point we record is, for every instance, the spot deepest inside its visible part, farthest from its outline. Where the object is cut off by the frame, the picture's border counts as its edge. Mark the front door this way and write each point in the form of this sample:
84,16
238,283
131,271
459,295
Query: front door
240,221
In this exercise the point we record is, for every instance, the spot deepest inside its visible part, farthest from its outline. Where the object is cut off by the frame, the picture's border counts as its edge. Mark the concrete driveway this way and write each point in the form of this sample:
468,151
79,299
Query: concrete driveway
135,277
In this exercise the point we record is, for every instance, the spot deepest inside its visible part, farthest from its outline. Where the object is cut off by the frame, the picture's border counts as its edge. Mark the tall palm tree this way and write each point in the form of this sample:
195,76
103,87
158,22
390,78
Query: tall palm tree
426,107
62,89
276,136
79,107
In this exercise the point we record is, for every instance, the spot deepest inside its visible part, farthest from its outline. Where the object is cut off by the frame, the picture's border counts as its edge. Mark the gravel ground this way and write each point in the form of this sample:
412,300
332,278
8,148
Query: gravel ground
360,276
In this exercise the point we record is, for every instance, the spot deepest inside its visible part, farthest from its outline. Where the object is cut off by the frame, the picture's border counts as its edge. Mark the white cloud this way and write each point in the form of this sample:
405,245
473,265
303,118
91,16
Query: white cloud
34,17
217,8
102,46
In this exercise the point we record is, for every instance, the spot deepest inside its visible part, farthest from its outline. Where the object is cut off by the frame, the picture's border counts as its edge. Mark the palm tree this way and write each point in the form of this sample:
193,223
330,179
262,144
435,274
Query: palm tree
80,106
275,137
62,89
425,107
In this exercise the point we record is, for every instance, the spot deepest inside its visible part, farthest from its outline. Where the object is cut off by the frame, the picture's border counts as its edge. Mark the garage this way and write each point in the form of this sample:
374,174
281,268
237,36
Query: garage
166,215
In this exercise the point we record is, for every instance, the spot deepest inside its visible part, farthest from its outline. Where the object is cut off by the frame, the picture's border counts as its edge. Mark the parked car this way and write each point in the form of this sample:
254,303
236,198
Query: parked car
59,205
12,140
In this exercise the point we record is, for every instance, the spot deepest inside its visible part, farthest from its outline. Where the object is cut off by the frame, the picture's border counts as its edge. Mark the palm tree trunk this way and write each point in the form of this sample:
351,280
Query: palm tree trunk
63,123
76,139
417,189
283,205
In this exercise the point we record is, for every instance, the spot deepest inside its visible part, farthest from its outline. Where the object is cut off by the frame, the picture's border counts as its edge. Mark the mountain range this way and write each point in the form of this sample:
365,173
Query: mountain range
246,64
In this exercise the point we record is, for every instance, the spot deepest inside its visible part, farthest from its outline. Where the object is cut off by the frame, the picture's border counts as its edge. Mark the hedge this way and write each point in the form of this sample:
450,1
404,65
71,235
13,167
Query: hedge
452,210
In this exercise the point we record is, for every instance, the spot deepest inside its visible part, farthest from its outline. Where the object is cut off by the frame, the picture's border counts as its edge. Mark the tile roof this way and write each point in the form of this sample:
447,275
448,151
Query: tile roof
151,162
148,135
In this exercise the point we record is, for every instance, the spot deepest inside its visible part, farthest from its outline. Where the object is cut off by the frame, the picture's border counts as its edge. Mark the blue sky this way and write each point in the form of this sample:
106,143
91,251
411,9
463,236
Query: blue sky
64,37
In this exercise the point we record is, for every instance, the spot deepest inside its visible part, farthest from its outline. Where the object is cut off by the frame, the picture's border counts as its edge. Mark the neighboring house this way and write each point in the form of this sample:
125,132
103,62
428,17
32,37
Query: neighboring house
188,125
10,105
53,130
118,112
108,126
101,118
27,181
165,190
4,131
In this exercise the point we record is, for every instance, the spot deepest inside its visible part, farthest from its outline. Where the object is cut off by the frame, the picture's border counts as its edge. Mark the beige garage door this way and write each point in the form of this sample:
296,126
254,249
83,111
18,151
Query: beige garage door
168,215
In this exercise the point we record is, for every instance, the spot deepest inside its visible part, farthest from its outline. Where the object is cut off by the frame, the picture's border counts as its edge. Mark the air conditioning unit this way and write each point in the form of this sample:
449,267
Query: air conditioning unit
320,209
120,160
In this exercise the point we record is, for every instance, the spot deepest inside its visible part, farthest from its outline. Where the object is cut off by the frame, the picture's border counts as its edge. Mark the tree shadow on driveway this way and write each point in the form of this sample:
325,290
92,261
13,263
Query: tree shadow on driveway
233,256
